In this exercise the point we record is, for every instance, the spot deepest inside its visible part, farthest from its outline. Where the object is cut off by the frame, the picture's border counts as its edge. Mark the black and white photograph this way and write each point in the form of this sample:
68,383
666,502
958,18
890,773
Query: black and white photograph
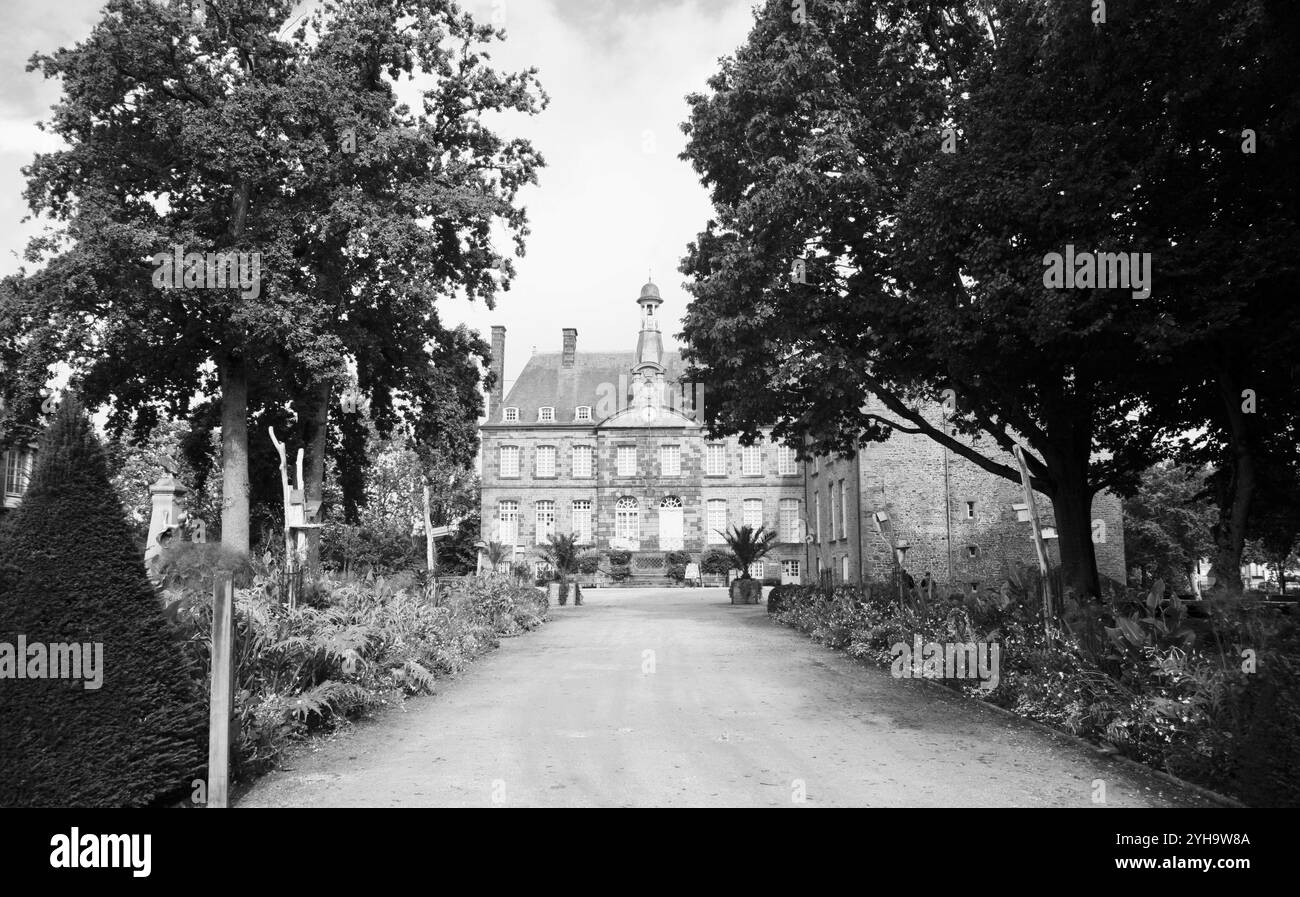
872,404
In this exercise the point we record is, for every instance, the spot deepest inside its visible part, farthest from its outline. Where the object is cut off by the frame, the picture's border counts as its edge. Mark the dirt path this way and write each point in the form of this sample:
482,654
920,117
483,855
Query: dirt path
737,712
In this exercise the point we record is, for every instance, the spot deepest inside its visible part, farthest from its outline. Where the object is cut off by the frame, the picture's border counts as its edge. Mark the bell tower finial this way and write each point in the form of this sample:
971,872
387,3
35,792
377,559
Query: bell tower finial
649,347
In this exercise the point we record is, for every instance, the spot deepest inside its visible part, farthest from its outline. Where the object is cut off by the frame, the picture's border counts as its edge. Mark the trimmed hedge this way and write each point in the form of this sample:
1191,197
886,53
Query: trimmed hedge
774,599
70,572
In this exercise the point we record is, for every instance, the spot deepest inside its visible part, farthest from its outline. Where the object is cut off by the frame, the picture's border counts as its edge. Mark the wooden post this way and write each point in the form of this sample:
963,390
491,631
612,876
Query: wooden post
1039,545
222,690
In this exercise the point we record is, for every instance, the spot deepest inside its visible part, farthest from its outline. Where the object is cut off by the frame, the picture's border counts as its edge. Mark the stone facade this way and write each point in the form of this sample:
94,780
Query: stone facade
958,521
632,415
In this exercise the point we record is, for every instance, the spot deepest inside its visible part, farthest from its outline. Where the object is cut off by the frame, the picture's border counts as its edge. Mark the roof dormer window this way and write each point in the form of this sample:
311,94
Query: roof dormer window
511,415
546,414
583,413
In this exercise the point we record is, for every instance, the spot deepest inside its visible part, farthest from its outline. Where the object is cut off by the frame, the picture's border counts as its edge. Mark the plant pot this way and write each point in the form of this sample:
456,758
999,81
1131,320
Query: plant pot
746,591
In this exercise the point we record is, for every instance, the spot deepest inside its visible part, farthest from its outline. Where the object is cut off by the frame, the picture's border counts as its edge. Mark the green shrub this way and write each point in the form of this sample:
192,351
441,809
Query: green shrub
620,558
384,547
618,574
677,572
678,558
589,563
70,572
774,599
715,562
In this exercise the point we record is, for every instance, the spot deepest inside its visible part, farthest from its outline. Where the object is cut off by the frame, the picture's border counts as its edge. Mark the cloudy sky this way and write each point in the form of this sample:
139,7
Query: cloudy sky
613,203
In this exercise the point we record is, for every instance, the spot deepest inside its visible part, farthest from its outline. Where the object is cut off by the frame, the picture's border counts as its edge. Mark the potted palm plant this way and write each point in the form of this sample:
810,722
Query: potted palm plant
497,554
746,546
564,556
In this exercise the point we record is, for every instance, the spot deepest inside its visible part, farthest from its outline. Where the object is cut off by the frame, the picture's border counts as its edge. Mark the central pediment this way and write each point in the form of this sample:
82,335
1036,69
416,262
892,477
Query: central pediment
648,417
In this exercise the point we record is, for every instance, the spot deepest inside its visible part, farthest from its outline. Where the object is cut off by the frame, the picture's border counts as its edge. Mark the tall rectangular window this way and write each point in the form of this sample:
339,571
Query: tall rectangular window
670,460
751,461
844,510
785,461
789,520
546,461
715,459
544,512
16,469
817,516
753,512
627,460
717,521
582,461
508,522
509,460
830,495
582,521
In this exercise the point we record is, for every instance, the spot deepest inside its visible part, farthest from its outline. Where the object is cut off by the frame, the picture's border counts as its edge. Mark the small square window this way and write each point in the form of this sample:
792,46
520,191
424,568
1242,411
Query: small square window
583,413
970,510
972,551
511,415
546,415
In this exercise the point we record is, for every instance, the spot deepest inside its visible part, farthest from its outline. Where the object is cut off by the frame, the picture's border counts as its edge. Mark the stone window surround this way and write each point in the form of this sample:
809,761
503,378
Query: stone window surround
537,462
519,461
707,453
591,461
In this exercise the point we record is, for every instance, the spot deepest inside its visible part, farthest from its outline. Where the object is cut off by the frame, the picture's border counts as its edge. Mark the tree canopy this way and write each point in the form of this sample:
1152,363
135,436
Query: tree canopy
890,179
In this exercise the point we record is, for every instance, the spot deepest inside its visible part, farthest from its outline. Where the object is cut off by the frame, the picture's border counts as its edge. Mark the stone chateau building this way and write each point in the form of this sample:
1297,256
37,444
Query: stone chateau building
611,446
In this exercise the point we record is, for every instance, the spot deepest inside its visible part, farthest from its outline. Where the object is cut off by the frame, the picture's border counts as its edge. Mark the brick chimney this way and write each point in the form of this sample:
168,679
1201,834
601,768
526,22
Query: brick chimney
570,346
498,368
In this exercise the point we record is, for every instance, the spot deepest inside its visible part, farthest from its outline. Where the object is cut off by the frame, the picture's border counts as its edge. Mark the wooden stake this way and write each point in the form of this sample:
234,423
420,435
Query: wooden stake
222,690
1039,545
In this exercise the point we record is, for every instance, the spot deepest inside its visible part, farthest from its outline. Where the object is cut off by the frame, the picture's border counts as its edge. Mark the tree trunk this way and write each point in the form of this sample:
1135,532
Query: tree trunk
234,455
313,419
350,466
1229,530
1235,491
1072,505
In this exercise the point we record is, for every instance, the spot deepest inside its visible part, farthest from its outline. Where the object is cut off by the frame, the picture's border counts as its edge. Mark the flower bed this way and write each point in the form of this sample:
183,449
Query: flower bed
1213,701
355,645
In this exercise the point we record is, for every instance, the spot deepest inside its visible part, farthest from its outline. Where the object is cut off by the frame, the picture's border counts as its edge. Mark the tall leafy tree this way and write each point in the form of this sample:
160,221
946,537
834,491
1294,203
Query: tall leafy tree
1167,525
889,178
223,131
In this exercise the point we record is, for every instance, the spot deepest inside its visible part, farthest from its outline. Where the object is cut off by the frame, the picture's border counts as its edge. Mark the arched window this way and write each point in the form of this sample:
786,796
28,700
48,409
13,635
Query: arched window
671,501
627,519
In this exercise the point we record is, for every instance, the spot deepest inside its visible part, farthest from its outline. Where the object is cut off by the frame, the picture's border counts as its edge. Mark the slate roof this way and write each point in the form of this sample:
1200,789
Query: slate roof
543,382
